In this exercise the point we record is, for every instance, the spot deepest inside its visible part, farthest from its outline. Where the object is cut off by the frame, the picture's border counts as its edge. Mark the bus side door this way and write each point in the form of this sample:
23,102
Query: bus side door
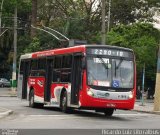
48,81
23,79
76,78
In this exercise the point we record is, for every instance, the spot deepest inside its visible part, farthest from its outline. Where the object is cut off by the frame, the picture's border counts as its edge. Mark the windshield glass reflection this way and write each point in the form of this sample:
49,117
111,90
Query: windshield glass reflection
107,72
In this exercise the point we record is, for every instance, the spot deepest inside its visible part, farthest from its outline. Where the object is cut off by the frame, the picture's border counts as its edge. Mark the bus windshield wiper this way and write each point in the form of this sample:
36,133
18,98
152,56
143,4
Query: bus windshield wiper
117,66
120,62
104,64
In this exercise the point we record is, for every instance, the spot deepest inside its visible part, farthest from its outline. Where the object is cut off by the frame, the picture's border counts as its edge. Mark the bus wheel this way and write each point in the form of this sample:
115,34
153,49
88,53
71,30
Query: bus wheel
109,112
31,99
63,104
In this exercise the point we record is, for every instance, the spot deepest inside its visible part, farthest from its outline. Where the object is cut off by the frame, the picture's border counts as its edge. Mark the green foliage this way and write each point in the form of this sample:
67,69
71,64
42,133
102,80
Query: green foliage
33,46
6,40
143,39
121,12
46,41
23,42
131,11
74,19
77,20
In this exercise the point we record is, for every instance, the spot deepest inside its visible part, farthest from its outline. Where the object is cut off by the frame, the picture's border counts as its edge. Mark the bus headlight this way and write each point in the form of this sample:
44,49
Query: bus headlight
130,96
90,93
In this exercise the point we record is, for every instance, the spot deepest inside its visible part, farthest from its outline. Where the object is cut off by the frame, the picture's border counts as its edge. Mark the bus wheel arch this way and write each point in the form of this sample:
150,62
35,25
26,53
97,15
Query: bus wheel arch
31,89
31,98
63,101
32,102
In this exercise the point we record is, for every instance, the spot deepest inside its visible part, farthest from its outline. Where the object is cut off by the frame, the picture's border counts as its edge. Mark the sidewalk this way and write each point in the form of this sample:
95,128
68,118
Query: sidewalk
7,92
147,107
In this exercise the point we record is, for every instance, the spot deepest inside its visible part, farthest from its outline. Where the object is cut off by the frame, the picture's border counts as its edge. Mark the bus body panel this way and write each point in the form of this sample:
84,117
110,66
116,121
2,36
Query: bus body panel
62,51
37,84
87,101
56,89
92,102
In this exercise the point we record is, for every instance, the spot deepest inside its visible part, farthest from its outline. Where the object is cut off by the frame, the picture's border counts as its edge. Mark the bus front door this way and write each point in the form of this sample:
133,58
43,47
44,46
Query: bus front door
26,70
76,77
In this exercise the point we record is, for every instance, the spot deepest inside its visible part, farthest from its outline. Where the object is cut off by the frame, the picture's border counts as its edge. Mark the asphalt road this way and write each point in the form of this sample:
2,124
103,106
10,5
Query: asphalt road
25,117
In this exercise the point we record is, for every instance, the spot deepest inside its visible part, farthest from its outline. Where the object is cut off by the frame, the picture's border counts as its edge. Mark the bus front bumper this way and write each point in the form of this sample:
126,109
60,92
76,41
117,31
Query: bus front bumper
91,102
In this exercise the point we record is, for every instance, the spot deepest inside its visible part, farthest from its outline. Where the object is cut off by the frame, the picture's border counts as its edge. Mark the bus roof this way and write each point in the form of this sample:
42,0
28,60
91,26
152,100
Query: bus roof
79,48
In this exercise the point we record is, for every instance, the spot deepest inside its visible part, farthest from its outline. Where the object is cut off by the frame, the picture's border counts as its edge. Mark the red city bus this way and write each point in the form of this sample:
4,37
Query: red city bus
97,77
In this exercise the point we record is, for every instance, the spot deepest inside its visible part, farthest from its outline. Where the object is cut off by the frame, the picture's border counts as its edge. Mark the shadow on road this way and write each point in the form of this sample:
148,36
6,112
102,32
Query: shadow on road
95,115
84,113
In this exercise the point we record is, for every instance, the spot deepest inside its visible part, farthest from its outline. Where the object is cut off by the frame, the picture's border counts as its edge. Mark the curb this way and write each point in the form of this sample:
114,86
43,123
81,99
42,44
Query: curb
8,95
150,112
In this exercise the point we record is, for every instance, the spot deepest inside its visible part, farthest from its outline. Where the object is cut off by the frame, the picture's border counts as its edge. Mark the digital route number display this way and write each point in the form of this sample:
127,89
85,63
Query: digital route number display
110,52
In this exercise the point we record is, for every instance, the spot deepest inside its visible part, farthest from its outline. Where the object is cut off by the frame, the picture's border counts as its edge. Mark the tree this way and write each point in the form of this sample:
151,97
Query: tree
34,17
131,11
75,19
143,39
78,19
6,46
33,46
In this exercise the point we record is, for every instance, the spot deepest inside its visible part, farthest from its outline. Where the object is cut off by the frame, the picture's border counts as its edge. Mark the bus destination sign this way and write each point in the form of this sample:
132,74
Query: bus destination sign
110,52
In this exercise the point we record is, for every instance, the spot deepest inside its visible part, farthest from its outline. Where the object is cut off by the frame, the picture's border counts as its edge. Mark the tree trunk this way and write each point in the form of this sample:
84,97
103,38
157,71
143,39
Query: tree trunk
34,18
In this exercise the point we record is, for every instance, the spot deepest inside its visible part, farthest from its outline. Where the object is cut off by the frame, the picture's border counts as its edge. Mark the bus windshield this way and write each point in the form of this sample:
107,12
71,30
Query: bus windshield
109,72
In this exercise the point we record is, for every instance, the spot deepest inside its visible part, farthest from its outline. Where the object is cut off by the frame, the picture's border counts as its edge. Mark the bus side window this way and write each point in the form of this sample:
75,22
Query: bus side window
66,68
33,73
62,69
69,77
42,73
66,75
58,62
42,64
67,61
56,76
34,65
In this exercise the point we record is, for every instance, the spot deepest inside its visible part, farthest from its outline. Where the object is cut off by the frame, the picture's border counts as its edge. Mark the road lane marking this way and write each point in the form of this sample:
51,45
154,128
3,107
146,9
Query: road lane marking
81,116
66,115
48,115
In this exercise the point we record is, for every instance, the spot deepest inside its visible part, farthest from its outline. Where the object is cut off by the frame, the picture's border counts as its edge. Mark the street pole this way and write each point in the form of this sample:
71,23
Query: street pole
15,51
103,24
109,14
143,79
1,16
157,87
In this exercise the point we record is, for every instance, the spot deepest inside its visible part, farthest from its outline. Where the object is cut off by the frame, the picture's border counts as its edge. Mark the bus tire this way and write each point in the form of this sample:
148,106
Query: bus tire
31,99
63,102
108,112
